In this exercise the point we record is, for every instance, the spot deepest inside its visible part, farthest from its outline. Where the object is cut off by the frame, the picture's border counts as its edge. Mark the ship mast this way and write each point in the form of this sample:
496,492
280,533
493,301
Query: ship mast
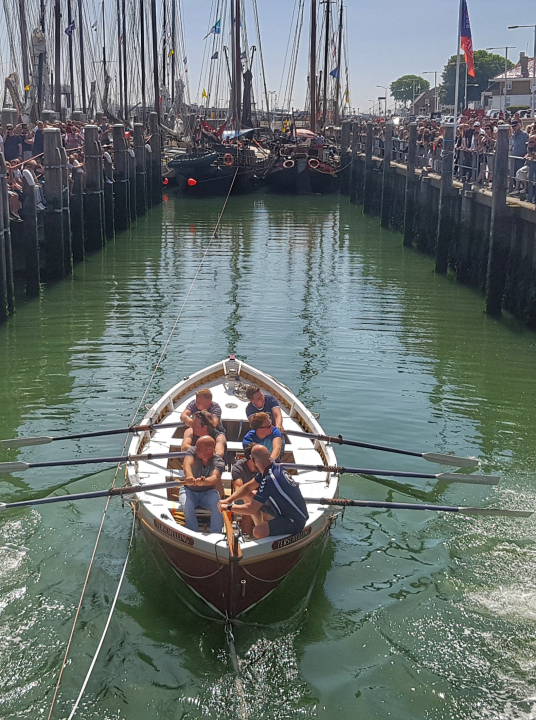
57,57
338,78
82,59
71,61
326,55
312,68
236,90
142,42
155,58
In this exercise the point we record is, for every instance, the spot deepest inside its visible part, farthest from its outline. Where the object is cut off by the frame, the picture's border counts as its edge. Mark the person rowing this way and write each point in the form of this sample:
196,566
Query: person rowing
203,424
264,433
277,505
202,471
203,401
263,402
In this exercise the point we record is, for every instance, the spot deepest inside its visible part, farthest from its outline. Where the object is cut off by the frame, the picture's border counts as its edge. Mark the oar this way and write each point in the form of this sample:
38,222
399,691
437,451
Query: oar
19,466
343,502
430,456
45,439
444,477
125,490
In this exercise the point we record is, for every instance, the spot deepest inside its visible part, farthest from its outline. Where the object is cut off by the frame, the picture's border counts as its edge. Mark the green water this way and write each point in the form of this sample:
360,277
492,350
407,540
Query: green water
413,615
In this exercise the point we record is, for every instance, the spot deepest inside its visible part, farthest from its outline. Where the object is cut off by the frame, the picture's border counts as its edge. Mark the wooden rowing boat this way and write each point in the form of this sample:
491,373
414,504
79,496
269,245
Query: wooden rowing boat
229,572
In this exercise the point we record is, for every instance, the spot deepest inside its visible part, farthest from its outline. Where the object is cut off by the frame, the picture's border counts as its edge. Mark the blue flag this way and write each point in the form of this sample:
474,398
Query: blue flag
335,73
215,56
214,30
69,29
244,55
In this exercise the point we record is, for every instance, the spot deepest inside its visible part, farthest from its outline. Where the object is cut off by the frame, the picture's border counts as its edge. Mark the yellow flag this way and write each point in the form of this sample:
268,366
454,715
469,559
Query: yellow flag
347,97
204,94
27,88
171,52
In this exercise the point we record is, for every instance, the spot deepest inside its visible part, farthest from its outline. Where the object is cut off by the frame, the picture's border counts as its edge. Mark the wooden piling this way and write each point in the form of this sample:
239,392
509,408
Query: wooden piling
156,158
30,234
4,311
354,166
465,234
76,206
109,221
423,224
345,157
121,183
500,229
54,266
149,175
141,176
409,197
66,212
94,236
445,224
386,203
368,190
131,157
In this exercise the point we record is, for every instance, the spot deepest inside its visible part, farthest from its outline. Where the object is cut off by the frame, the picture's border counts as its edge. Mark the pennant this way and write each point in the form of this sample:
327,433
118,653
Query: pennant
27,88
466,39
215,56
214,30
171,52
204,94
243,56
347,94
94,26
184,59
335,73
69,29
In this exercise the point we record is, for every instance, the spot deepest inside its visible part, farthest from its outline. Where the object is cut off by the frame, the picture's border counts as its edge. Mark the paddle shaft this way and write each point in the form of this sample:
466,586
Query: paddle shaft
449,477
344,502
21,466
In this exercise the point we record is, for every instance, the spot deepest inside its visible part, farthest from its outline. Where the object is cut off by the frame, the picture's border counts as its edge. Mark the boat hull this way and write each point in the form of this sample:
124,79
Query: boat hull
301,179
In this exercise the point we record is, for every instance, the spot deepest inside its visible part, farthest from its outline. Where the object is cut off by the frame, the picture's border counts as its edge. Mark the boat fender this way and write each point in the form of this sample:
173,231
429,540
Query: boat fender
313,163
289,164
228,159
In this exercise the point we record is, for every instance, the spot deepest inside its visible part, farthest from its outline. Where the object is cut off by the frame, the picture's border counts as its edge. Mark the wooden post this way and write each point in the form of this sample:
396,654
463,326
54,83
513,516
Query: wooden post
94,195
131,157
121,189
54,268
445,219
4,312
109,215
77,214
409,200
149,174
30,234
66,212
156,158
353,166
368,190
345,157
500,228
465,234
141,178
423,237
386,206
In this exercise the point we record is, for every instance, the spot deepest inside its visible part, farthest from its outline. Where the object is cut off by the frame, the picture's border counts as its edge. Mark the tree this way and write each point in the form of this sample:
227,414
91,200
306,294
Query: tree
487,66
403,89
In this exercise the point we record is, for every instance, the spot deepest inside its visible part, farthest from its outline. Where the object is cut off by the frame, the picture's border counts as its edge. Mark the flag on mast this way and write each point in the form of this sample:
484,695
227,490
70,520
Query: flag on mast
466,39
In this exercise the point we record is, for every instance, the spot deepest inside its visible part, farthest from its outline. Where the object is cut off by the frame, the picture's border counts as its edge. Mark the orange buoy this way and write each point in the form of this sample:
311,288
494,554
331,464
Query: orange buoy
165,181
192,182
313,163
228,159
289,164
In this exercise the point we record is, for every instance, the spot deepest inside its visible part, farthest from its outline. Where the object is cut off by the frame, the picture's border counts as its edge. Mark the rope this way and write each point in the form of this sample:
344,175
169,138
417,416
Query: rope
99,533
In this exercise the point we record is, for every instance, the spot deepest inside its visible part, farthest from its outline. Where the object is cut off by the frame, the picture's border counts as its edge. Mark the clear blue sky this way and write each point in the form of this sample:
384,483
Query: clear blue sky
387,39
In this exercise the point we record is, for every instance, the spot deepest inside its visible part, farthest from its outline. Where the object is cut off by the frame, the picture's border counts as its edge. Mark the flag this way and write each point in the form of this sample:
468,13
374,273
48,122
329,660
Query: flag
69,29
335,73
204,94
243,56
184,59
466,40
27,88
214,30
94,26
171,52
215,56
347,94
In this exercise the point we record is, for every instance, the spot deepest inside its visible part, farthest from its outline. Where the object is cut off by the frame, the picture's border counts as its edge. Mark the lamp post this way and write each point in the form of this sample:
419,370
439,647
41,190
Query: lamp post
508,47
384,88
434,73
533,88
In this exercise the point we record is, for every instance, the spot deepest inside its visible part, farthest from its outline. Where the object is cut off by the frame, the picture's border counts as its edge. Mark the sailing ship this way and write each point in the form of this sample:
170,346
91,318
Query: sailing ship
233,574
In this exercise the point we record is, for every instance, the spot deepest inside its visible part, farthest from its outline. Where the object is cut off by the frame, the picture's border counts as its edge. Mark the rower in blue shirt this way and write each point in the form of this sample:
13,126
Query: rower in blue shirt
278,507
264,433
263,402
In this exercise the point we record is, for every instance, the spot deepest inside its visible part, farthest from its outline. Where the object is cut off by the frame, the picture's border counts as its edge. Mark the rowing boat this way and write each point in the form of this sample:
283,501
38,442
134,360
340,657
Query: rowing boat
230,572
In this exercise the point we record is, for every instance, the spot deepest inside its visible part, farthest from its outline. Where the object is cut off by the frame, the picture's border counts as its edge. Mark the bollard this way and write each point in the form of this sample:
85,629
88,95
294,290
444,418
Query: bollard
4,311
9,116
156,158
121,184
446,216
149,175
131,157
386,205
141,181
54,267
94,237
66,212
409,198
76,206
109,221
500,227
368,190
30,234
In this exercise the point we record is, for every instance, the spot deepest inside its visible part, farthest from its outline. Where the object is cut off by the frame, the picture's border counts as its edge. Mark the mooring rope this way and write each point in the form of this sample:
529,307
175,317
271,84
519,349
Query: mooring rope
99,533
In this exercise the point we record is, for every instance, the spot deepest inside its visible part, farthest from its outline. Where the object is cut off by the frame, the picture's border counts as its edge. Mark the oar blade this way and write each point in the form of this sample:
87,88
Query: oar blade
469,479
9,467
497,512
454,460
24,442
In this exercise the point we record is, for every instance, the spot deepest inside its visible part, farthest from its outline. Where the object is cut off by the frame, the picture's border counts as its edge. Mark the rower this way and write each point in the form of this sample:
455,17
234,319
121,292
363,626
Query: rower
278,507
203,401
264,433
263,402
202,470
242,472
203,424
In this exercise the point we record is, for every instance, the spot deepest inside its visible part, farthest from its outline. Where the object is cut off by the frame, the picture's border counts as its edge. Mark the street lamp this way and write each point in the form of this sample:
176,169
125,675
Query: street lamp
434,73
385,98
533,88
508,47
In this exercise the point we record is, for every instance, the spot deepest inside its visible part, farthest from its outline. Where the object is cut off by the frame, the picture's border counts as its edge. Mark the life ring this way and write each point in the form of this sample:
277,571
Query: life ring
289,164
228,159
313,163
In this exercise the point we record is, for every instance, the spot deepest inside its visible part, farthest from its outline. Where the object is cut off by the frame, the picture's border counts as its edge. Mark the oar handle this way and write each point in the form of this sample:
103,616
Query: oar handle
344,502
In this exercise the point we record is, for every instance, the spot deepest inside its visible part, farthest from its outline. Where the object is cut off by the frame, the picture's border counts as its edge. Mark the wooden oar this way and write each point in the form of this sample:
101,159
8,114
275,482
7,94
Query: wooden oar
439,458
444,477
19,466
343,502
125,490
45,439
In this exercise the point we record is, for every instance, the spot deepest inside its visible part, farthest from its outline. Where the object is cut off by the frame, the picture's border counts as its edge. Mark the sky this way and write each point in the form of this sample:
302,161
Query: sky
387,39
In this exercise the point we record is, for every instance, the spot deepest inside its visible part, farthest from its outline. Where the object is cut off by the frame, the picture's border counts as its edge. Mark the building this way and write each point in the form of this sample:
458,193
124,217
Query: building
519,86
425,103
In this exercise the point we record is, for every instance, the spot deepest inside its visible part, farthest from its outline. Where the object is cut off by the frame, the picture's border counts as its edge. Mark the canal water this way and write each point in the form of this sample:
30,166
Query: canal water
414,615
